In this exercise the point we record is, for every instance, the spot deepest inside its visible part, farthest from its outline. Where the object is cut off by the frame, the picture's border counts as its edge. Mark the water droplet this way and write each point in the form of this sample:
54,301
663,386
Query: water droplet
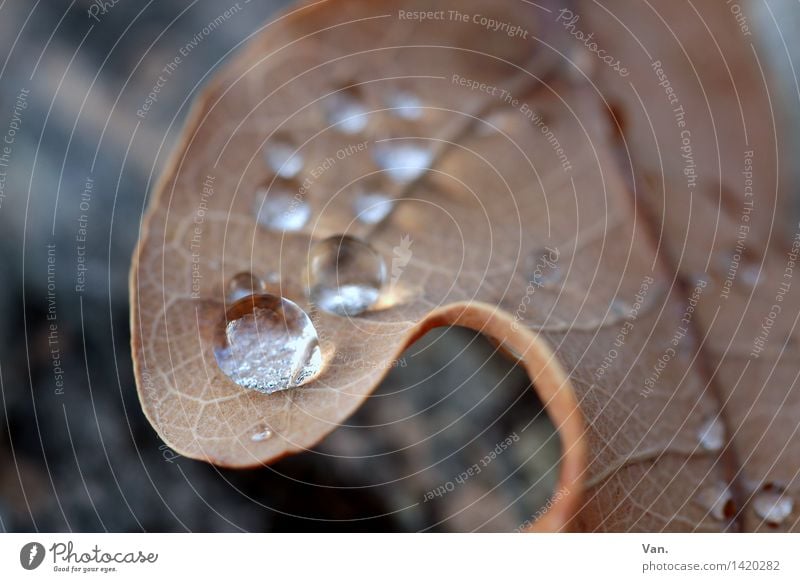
345,111
405,105
712,434
267,343
404,161
772,504
345,275
282,158
281,208
371,205
749,274
262,433
243,285
718,501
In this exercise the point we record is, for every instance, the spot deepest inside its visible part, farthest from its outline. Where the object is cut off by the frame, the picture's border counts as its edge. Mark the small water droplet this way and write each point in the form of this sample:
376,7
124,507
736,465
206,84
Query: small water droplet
772,504
403,161
267,343
243,285
718,501
345,110
405,105
281,208
282,158
712,434
345,275
371,205
262,433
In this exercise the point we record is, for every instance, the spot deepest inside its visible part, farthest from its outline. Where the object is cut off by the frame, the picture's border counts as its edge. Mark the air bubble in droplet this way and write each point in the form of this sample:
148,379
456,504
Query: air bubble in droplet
346,112
241,286
280,208
772,504
283,159
267,343
372,206
345,275
717,499
403,161
262,433
406,105
712,434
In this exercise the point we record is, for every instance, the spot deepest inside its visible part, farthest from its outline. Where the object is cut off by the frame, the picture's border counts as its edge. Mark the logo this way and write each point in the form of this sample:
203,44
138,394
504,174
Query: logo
31,555
402,255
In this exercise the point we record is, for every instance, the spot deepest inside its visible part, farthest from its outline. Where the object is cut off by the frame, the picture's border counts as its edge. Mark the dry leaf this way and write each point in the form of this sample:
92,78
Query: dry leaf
534,225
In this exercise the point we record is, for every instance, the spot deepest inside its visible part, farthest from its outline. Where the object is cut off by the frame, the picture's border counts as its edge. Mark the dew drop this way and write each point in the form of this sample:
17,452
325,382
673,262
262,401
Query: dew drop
243,285
282,158
371,206
267,343
262,433
280,208
406,105
772,504
402,160
345,275
718,501
712,434
345,111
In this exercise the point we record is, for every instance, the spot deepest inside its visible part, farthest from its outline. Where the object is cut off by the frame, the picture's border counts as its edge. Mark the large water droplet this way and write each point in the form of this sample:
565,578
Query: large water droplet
267,343
717,499
772,504
345,275
403,160
712,434
282,158
371,205
345,110
406,105
243,285
281,208
262,433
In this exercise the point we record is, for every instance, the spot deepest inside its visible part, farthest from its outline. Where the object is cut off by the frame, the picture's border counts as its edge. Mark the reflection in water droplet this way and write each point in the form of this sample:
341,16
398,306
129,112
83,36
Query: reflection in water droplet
346,112
282,158
405,105
345,275
404,161
281,208
772,504
372,206
243,285
717,499
267,343
262,434
712,434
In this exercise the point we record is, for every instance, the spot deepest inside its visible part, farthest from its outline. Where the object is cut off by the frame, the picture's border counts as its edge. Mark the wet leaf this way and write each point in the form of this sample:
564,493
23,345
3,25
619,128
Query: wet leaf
490,178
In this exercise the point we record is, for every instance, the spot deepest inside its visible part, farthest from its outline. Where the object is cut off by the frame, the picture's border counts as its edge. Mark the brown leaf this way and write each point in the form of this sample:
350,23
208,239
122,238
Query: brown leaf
526,228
